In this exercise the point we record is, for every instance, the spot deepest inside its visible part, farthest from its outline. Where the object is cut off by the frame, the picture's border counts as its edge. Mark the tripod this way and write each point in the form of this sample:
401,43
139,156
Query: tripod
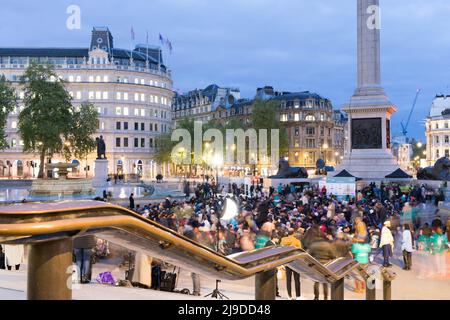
216,293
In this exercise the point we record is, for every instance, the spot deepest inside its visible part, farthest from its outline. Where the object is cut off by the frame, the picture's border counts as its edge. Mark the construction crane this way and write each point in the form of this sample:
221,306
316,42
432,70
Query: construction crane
405,126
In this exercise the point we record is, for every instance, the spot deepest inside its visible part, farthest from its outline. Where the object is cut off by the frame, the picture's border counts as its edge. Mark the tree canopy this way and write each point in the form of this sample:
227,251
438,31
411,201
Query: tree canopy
8,101
265,115
49,123
79,141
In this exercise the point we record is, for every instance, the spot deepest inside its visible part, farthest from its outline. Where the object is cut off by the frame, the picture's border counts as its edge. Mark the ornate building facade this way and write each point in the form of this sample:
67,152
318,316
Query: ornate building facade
438,129
315,130
132,91
203,104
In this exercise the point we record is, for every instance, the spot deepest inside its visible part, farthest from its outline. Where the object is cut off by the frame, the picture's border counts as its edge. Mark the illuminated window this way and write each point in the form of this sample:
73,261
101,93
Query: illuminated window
13,125
125,111
105,95
70,78
105,79
310,118
118,111
91,94
125,96
142,112
118,95
91,78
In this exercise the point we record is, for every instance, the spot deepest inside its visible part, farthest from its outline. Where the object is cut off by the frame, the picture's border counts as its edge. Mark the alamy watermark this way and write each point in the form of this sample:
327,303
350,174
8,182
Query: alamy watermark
73,22
239,147
374,20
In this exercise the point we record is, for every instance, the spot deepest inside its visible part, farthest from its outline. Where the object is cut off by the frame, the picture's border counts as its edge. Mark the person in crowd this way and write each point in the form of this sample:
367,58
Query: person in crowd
323,251
386,243
14,255
407,246
83,247
142,276
131,201
192,232
361,251
438,246
291,240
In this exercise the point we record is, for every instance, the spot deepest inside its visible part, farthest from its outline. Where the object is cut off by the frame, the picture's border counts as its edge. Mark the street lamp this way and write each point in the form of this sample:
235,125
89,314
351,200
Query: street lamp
325,147
217,162
419,144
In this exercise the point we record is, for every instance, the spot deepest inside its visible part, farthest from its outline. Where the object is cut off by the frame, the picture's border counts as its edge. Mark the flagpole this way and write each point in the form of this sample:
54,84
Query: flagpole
146,57
132,41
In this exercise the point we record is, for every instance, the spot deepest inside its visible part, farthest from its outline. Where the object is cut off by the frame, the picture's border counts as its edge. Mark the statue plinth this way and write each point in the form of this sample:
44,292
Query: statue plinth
100,174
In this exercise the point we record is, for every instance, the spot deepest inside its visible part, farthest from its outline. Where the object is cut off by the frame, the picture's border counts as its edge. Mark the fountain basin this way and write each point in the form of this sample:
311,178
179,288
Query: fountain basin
61,186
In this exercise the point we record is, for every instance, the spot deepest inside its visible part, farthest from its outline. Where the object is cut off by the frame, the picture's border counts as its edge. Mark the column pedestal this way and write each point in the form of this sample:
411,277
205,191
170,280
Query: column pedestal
100,174
337,290
265,285
50,270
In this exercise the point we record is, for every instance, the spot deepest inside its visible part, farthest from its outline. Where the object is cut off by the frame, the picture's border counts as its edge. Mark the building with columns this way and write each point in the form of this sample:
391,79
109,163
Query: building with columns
132,91
438,129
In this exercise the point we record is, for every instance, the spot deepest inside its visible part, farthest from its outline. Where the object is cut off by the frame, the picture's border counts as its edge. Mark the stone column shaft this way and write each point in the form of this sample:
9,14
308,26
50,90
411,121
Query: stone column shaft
368,43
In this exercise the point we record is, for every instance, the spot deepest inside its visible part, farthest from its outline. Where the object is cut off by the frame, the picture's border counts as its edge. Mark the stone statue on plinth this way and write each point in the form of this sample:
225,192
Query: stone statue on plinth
285,171
440,171
101,148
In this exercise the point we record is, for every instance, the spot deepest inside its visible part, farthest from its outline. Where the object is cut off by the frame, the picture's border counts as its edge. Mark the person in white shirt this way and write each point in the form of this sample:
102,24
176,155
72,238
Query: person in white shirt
407,247
386,243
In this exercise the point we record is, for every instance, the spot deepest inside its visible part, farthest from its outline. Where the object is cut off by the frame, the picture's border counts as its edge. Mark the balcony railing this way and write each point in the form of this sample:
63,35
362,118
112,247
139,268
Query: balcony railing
161,73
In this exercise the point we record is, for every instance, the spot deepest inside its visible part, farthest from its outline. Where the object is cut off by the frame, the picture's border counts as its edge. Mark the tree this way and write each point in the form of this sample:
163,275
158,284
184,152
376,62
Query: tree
45,121
8,101
265,115
80,142
163,146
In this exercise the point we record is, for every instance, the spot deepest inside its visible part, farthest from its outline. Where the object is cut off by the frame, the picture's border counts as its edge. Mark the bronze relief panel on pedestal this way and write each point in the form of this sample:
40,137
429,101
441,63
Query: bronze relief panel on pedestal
366,133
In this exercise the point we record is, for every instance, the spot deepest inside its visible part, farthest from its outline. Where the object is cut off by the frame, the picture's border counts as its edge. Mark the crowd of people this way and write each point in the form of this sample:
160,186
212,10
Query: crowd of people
306,217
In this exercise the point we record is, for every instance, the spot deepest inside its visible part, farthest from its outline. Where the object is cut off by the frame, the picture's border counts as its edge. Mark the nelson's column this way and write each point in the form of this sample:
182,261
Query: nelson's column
369,109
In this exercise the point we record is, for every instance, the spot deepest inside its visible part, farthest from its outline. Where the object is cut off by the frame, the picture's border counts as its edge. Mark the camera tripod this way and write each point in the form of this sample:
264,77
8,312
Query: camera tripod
216,293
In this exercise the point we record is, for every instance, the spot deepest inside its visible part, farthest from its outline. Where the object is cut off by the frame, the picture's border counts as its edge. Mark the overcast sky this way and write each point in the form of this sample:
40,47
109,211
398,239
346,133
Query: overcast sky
292,45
